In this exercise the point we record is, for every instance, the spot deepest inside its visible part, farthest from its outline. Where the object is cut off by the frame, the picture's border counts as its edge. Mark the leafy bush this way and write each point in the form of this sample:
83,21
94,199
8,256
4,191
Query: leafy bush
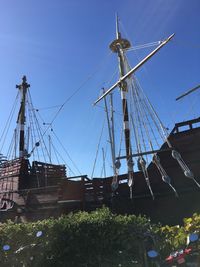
99,239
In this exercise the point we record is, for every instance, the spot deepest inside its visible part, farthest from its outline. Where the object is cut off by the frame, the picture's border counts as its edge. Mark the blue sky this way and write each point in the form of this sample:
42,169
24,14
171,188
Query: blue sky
61,44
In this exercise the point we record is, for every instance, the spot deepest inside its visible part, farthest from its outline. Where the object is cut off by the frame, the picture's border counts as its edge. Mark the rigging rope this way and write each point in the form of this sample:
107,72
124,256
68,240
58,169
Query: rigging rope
103,169
143,46
7,126
147,72
75,166
97,152
39,130
175,154
45,108
71,96
143,108
57,152
77,90
187,172
141,114
148,111
191,109
33,135
165,177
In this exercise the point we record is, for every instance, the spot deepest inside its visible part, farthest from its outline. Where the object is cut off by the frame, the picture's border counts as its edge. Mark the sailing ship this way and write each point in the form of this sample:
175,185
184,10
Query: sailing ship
163,186
167,175
28,188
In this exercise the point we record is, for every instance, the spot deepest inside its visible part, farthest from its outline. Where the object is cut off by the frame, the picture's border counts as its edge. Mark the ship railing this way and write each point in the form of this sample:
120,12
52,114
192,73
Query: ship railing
186,125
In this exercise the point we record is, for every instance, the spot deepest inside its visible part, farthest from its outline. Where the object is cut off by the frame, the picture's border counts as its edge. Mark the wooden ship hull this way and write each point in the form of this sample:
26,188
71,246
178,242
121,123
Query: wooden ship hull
166,207
42,190
29,192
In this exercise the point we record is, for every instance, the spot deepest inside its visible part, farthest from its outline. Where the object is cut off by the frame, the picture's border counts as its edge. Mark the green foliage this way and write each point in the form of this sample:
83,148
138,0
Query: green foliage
175,237
99,239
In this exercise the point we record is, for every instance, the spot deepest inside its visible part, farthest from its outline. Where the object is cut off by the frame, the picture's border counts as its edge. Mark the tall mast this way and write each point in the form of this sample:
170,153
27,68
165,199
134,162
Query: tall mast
118,46
22,116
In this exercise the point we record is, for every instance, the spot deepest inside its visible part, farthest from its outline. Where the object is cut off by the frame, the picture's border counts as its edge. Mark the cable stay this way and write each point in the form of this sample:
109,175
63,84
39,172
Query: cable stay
143,46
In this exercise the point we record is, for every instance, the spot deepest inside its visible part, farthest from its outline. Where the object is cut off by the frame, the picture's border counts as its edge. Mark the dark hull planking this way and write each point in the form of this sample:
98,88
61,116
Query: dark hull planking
42,190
